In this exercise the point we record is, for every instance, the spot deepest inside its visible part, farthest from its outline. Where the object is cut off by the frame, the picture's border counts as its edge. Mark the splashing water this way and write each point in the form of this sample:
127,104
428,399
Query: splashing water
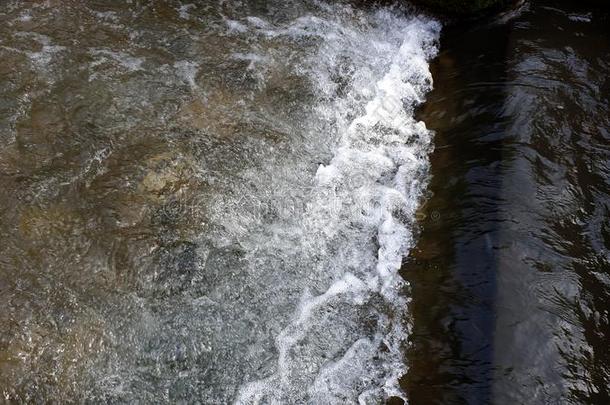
356,225
283,199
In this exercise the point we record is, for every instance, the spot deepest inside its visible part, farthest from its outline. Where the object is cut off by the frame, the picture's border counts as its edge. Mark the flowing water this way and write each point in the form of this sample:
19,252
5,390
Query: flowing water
208,202
511,275
211,203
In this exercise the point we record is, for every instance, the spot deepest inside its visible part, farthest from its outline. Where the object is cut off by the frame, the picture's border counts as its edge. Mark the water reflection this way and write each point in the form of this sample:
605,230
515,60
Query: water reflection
512,283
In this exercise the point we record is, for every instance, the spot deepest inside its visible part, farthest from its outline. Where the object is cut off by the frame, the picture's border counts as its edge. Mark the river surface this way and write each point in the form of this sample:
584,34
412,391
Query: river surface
262,202
511,276
208,202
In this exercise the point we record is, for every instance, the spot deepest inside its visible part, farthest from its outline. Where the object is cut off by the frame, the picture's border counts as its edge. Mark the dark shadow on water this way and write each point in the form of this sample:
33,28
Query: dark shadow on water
452,271
510,277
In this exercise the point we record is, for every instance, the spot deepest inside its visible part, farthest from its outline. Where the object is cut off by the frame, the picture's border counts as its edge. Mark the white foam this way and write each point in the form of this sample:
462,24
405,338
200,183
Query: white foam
183,11
42,58
187,70
127,61
371,187
235,26
107,15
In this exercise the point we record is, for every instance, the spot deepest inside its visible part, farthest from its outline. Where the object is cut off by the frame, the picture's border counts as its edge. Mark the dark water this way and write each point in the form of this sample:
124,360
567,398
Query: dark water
511,276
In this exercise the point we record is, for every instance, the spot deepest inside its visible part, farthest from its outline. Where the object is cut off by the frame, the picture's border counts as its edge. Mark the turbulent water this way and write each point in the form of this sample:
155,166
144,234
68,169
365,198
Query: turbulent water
208,202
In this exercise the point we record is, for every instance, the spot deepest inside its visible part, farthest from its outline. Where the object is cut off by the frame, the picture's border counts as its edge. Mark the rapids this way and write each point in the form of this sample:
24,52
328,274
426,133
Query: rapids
209,202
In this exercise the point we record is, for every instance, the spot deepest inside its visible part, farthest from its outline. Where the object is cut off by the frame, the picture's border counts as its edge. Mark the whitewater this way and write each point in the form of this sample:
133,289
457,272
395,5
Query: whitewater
246,193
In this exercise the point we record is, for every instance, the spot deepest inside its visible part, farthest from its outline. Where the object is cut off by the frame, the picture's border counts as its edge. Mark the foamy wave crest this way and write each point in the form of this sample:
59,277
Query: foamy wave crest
345,341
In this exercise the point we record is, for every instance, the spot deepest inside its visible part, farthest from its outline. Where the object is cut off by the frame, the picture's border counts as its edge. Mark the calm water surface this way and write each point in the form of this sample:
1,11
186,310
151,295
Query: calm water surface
511,276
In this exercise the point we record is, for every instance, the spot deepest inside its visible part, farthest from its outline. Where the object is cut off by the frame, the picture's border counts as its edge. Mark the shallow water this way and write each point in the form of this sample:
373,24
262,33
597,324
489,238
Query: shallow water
208,202
511,275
